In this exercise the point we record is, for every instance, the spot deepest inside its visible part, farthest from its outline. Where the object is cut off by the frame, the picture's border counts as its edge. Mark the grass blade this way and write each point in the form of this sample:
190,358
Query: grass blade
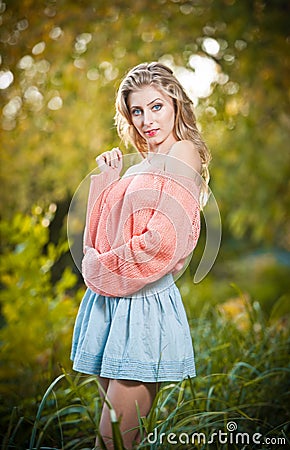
40,408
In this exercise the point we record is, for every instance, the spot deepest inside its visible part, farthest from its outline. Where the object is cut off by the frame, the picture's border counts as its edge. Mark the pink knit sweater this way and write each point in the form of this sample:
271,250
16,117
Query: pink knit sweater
138,228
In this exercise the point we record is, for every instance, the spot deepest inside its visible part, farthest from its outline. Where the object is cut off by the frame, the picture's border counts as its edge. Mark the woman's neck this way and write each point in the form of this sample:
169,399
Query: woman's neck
163,148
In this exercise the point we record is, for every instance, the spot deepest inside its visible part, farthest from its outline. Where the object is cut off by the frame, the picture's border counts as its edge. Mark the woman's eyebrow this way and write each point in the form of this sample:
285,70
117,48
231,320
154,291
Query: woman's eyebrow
150,103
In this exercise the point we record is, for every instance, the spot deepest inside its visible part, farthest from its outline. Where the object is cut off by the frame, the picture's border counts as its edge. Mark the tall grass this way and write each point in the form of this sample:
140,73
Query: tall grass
243,381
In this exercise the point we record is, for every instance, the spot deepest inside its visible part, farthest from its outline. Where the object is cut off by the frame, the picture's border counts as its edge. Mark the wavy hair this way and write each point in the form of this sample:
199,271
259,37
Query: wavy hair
162,78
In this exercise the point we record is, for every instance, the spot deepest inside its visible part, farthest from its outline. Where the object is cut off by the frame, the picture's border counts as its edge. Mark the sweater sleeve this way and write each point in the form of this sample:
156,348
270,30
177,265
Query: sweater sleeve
100,184
170,235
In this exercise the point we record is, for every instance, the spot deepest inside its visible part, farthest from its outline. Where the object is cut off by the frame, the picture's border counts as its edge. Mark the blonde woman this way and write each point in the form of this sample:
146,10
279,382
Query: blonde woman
131,330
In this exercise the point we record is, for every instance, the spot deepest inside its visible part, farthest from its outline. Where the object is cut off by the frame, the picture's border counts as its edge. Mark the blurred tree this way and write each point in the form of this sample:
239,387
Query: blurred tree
61,65
37,312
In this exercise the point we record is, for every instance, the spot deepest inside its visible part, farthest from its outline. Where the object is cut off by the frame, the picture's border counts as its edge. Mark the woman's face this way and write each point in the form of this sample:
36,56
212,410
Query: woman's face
152,114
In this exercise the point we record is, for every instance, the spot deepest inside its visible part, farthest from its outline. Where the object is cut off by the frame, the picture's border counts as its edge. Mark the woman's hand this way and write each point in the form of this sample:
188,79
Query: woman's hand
110,159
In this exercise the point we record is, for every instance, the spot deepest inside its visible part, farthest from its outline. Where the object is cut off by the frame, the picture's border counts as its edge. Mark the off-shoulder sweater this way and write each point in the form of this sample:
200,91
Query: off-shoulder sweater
138,228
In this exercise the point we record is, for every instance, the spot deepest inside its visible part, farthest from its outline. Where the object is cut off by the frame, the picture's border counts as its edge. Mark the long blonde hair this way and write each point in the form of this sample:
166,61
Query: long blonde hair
162,77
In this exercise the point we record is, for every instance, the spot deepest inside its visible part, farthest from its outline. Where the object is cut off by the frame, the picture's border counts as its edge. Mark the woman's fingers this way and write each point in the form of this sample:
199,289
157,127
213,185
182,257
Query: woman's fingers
112,158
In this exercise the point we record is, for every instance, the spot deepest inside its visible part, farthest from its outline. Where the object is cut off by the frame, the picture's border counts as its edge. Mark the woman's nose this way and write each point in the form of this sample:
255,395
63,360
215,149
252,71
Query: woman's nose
148,119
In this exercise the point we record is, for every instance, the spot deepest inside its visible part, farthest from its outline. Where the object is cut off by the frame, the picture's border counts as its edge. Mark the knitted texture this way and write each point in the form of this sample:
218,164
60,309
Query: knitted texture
138,228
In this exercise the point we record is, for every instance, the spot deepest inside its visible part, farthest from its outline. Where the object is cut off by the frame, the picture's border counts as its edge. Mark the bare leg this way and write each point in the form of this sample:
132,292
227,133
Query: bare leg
104,383
123,395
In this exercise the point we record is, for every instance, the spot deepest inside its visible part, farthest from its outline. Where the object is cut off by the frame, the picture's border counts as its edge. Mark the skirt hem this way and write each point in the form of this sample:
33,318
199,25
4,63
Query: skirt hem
133,369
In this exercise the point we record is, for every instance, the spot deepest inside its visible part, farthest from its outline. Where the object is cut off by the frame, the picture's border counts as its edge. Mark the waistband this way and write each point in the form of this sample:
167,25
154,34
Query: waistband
156,287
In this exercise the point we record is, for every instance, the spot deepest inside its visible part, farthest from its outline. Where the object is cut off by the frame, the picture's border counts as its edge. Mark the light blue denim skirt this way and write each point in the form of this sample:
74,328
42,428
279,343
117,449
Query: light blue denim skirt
143,337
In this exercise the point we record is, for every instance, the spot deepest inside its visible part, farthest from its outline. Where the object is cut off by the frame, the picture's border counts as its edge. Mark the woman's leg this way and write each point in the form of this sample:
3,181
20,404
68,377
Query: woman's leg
123,396
104,384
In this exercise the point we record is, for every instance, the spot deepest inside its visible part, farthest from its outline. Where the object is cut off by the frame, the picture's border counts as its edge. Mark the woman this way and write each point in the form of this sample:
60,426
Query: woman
131,328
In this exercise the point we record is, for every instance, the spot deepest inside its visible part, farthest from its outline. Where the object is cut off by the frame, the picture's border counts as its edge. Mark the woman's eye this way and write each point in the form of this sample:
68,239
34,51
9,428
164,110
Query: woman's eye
136,112
157,107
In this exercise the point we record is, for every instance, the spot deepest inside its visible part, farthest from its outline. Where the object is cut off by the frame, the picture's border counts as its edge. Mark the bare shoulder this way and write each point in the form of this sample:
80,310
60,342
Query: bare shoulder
184,159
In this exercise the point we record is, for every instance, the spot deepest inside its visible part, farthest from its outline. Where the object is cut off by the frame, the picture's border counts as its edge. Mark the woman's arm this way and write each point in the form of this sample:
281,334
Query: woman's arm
110,165
170,235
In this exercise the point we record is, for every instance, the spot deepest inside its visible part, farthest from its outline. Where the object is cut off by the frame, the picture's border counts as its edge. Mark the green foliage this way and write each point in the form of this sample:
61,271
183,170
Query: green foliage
37,312
262,276
243,376
66,58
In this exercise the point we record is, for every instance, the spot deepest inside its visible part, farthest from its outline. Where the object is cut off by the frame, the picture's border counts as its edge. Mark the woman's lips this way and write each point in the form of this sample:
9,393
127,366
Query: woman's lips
151,133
